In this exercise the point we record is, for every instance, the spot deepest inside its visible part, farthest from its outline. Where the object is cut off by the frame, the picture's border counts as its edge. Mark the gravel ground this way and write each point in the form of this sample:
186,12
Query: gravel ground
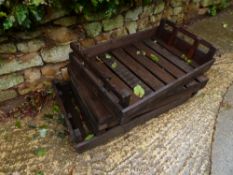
178,142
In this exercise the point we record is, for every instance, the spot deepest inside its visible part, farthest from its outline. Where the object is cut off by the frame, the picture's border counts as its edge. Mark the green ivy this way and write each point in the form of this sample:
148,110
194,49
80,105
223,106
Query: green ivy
24,14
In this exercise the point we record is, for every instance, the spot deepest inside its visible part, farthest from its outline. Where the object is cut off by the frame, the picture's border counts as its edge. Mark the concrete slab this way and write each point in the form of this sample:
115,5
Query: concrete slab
222,154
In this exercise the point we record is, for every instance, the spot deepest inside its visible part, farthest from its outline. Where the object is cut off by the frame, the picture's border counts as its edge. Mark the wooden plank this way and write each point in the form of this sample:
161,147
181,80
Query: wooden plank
100,114
119,130
126,75
108,97
168,55
153,68
112,44
133,109
162,62
139,70
115,82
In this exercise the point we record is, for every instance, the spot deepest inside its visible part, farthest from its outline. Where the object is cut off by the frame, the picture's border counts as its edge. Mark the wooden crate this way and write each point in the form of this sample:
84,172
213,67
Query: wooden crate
79,124
166,62
159,60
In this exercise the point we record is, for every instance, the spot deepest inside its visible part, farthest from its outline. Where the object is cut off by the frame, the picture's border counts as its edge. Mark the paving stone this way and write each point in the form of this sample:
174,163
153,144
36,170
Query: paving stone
21,63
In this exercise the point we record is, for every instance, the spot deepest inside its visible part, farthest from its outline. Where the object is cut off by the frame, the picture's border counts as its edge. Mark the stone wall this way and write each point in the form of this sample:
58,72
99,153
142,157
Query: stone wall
30,60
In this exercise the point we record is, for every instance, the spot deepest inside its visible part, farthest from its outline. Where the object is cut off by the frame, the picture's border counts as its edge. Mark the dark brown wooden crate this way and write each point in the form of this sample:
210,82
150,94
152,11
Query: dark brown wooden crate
179,62
74,120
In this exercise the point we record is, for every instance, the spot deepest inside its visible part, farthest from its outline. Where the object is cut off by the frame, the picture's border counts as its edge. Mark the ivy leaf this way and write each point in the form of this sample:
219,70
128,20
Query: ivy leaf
3,14
154,58
139,91
89,137
21,13
8,22
94,3
36,12
40,152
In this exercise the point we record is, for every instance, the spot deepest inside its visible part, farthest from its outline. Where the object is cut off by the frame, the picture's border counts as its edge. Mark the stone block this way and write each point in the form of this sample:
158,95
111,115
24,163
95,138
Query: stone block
66,21
93,29
131,27
56,54
132,15
87,42
11,80
113,23
30,46
23,62
7,95
7,48
32,75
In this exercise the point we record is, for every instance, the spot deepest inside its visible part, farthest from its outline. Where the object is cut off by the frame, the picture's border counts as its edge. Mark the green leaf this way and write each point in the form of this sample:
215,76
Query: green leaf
8,22
89,137
108,56
224,25
36,12
39,173
154,58
40,152
139,91
94,3
3,14
55,109
114,65
18,124
21,13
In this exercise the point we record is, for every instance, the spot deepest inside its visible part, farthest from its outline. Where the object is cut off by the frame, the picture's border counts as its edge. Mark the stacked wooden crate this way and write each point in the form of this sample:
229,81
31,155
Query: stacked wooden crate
121,83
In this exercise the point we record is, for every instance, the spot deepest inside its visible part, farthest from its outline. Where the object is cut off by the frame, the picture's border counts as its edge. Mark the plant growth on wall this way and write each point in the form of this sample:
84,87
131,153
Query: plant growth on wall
24,14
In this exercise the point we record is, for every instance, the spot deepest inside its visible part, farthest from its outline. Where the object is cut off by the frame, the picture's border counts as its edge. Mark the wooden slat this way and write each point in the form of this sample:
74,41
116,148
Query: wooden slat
154,68
94,104
113,79
127,76
168,55
139,70
133,109
162,62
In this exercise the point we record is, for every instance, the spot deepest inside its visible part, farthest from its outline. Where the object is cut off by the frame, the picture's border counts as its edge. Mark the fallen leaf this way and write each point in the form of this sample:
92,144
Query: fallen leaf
40,152
18,124
108,56
139,91
225,25
114,65
89,137
154,58
43,132
143,53
39,173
